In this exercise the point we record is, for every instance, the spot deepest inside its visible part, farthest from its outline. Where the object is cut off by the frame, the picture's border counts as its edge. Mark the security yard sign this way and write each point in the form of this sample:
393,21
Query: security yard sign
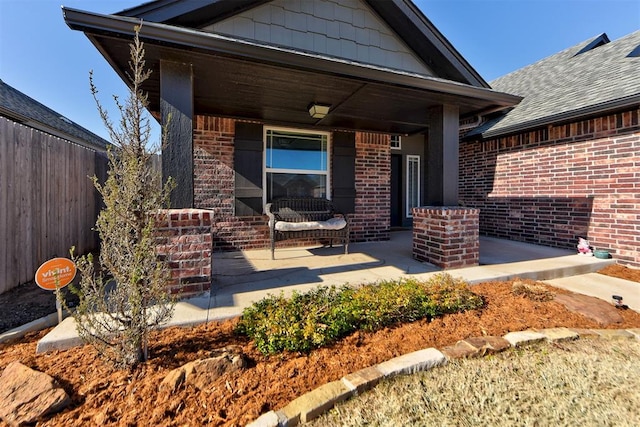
56,273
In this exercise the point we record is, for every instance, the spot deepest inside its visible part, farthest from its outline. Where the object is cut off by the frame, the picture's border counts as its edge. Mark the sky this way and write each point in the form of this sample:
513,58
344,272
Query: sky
41,57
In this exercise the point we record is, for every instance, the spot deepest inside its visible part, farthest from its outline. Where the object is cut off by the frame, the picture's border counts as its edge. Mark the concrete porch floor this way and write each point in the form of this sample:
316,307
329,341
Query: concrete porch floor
304,268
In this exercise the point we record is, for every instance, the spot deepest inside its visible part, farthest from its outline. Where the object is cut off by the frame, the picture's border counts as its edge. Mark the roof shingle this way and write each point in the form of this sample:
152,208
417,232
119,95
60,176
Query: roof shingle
30,112
569,84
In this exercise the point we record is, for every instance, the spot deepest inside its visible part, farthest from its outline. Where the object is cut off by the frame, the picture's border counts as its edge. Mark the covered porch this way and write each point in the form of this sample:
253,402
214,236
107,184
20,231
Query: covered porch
229,99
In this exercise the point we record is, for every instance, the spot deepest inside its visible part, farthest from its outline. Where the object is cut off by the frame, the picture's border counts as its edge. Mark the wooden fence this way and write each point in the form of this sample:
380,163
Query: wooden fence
47,202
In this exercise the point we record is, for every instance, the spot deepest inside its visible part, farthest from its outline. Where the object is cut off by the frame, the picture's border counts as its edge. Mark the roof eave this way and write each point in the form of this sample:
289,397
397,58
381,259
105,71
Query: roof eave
119,26
443,44
563,117
189,13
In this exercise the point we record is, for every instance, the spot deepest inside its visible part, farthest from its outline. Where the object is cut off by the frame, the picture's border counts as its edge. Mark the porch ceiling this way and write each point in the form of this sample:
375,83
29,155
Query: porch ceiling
240,79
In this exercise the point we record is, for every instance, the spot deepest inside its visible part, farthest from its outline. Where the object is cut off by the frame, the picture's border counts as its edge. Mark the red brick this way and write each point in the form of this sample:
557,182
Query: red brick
582,170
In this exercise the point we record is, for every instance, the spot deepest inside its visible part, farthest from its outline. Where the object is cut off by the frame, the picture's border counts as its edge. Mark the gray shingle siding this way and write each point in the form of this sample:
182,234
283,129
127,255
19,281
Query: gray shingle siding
350,29
565,83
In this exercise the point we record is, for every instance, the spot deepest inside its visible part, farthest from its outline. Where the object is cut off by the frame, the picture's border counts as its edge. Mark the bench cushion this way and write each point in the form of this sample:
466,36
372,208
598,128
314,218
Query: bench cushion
330,224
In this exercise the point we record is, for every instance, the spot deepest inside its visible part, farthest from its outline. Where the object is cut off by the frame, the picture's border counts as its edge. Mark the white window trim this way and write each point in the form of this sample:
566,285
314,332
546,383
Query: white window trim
399,147
305,171
410,159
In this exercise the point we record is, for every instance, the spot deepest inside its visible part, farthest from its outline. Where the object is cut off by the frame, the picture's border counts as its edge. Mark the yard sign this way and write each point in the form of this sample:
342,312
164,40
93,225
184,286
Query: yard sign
55,272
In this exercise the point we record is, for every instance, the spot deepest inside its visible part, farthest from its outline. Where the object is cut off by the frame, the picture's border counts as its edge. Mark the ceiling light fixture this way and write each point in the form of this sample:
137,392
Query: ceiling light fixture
318,111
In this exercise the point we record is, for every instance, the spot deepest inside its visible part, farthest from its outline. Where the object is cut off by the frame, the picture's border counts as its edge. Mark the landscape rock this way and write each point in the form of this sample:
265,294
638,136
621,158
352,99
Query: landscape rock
26,395
459,350
518,339
591,307
174,379
363,379
487,344
201,373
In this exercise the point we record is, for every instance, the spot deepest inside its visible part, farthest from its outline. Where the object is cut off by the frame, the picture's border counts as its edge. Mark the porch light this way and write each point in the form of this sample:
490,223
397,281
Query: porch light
318,111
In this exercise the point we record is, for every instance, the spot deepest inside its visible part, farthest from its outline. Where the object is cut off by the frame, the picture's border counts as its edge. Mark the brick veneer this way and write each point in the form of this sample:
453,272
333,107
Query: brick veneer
447,237
184,240
372,218
214,188
214,179
552,185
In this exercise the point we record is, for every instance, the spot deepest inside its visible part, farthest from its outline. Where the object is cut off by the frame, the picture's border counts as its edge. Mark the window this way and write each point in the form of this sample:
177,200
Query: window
396,142
296,164
413,184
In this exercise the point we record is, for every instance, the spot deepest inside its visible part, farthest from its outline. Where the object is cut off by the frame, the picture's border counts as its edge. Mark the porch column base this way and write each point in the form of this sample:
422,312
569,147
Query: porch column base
446,236
183,239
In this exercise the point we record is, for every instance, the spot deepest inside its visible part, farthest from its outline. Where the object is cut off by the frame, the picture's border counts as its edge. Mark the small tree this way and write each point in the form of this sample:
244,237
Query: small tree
124,295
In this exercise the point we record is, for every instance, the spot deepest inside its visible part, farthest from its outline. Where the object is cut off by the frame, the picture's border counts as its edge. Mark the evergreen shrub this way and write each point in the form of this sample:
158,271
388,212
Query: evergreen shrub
324,315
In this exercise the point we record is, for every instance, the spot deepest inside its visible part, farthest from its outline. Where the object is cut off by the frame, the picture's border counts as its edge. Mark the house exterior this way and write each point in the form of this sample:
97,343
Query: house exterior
241,81
47,202
565,162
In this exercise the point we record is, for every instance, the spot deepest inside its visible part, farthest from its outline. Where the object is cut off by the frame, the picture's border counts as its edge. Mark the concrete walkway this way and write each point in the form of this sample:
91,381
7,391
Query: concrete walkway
242,278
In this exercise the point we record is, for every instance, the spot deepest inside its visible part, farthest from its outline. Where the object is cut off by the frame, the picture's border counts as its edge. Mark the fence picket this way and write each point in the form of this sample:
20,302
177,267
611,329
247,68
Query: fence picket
47,203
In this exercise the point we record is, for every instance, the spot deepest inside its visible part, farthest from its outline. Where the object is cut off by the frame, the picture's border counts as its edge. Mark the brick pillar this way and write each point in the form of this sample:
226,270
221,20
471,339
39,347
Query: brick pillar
371,220
184,240
447,237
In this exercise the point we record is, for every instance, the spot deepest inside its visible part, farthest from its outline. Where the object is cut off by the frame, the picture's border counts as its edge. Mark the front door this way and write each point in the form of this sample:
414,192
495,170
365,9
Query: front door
407,172
396,190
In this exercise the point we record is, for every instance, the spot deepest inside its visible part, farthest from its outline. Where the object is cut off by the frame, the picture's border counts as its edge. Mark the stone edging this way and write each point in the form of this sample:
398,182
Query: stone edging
312,404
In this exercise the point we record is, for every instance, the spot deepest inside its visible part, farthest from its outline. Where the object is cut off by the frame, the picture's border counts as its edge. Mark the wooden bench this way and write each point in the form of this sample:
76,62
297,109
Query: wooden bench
294,218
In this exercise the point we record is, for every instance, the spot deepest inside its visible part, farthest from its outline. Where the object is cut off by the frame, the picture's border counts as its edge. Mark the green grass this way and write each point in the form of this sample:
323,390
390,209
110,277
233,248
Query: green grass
582,383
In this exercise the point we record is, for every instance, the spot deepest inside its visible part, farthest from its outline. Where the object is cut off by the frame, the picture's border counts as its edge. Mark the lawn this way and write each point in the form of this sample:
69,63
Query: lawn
589,382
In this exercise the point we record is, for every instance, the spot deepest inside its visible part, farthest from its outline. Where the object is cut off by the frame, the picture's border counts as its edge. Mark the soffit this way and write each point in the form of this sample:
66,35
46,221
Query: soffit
247,81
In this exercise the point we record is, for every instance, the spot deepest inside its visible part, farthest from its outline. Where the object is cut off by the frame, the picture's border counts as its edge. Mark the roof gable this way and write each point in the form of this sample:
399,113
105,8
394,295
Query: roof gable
424,48
590,78
346,29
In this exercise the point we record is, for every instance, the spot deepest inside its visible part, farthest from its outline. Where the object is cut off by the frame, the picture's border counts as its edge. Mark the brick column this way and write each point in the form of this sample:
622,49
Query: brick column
184,240
447,237
371,220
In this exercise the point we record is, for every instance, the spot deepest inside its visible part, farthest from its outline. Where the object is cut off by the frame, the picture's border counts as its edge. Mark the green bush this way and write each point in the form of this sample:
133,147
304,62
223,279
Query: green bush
324,315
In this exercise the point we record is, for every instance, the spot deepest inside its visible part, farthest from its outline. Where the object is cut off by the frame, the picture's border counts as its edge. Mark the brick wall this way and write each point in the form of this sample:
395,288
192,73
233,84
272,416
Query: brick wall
372,218
184,241
552,185
214,182
214,186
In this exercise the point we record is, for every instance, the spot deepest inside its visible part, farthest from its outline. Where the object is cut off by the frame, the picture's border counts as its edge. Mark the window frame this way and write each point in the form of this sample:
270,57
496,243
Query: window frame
396,147
266,170
416,159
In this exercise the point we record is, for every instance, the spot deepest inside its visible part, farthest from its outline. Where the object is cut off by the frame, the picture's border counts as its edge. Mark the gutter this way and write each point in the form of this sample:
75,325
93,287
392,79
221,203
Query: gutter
178,37
565,116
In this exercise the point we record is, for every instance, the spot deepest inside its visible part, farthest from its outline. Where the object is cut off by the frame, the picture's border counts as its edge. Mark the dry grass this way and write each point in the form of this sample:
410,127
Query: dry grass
582,383
533,291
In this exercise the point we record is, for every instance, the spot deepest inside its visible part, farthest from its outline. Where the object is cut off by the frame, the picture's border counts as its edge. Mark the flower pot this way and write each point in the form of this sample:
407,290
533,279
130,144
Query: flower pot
601,254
